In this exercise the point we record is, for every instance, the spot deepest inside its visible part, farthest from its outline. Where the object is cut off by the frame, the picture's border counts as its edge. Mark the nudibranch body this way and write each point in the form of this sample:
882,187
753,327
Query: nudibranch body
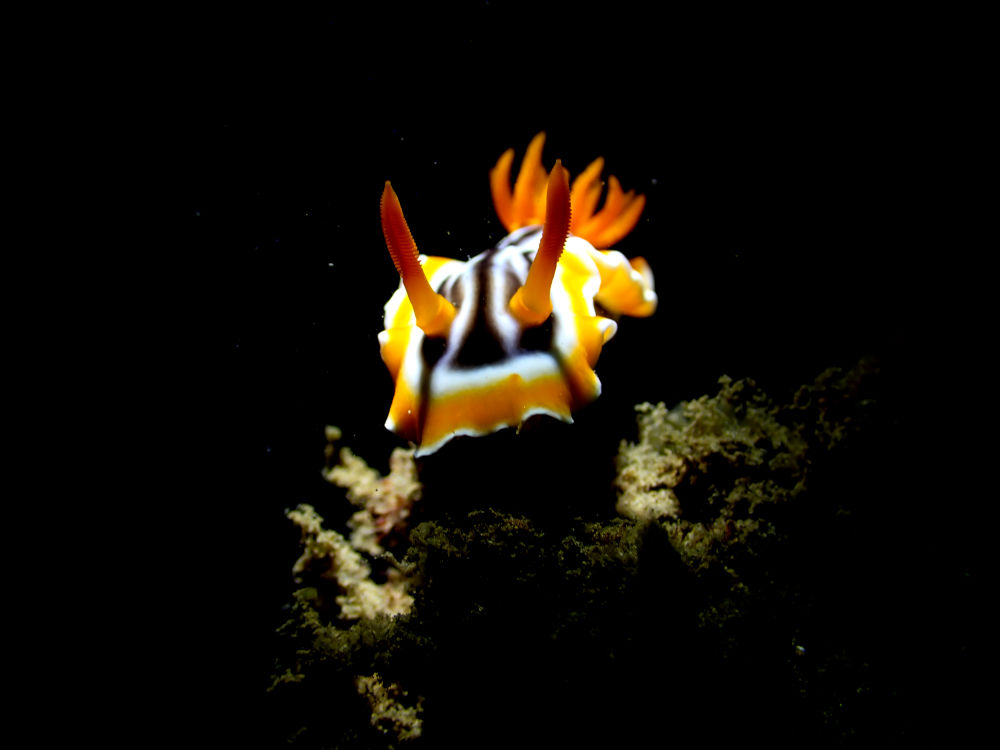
475,346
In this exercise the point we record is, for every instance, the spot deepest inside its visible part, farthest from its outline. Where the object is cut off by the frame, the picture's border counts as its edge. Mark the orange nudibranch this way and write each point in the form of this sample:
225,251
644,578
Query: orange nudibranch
518,328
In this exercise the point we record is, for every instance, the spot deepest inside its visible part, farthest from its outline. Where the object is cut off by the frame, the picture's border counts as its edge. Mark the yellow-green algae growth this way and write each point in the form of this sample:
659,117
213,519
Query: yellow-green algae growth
691,599
704,468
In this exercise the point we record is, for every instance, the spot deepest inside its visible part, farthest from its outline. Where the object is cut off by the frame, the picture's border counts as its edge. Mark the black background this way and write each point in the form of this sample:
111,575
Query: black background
784,163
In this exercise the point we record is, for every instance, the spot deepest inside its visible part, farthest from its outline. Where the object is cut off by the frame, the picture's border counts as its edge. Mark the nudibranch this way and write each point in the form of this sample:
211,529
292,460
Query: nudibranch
476,346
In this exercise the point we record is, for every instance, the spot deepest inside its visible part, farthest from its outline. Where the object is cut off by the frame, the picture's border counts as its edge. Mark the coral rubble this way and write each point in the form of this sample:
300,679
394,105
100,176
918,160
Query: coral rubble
361,597
482,624
389,715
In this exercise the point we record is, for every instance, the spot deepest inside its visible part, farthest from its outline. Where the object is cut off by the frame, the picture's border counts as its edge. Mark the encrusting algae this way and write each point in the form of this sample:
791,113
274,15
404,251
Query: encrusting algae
361,597
327,556
384,502
389,715
681,453
691,596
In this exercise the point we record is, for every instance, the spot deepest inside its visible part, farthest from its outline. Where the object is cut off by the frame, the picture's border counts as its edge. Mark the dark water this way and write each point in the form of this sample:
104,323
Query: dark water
779,223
